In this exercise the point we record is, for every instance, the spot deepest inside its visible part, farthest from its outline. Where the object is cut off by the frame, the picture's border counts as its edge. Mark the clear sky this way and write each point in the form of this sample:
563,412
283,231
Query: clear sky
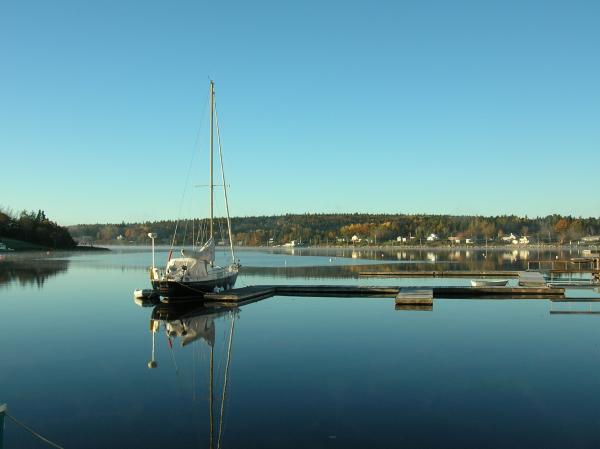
463,107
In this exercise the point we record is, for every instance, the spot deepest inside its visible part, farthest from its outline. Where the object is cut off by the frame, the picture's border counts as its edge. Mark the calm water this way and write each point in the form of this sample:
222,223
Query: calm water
303,372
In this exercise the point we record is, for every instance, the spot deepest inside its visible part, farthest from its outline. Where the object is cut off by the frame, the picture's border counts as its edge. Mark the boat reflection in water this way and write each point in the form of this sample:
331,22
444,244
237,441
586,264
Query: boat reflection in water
196,323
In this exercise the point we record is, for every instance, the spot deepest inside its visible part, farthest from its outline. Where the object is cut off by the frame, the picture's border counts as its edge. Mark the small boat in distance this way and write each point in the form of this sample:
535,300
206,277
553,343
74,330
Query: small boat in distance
195,272
489,282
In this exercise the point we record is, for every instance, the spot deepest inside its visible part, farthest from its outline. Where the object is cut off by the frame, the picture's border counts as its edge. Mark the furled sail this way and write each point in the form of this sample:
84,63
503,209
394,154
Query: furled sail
192,329
192,265
207,252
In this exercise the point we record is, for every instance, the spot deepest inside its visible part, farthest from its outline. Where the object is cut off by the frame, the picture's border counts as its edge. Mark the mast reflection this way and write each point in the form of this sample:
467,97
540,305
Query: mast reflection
197,323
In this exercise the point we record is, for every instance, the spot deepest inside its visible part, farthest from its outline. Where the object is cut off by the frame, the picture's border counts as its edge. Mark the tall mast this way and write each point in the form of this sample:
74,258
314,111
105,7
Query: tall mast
212,114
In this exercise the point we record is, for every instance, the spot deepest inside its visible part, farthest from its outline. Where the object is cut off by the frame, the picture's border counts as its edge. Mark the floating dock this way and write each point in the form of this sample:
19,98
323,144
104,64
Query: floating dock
531,279
240,296
439,274
245,295
414,296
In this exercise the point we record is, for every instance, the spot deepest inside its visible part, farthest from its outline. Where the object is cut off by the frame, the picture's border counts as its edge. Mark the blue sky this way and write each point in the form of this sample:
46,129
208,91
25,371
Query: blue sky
463,107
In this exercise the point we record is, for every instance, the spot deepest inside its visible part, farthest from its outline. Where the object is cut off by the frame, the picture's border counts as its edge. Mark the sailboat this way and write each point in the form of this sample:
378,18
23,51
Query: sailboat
195,272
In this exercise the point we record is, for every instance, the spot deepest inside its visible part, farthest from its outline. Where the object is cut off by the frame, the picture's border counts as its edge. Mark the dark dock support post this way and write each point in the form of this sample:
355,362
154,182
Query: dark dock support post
3,408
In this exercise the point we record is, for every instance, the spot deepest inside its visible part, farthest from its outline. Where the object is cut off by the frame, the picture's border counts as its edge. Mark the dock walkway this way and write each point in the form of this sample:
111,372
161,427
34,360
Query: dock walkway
245,295
439,274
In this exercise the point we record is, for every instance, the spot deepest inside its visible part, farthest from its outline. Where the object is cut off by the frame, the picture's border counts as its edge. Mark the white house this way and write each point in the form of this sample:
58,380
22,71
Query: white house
509,238
591,238
293,243
355,239
524,240
468,241
433,237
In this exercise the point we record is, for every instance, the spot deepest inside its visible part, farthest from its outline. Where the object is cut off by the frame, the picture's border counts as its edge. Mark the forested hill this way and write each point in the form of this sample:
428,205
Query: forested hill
35,228
323,229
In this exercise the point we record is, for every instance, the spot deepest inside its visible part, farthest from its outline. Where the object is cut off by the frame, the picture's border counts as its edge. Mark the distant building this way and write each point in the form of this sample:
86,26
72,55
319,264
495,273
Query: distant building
524,240
293,243
119,237
591,239
468,241
454,239
433,238
401,239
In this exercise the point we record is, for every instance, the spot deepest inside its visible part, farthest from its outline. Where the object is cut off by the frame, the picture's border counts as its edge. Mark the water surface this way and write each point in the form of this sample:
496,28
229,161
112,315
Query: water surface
304,372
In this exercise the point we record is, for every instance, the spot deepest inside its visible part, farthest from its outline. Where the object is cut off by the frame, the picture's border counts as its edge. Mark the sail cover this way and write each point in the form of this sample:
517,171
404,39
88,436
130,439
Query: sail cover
207,252
192,329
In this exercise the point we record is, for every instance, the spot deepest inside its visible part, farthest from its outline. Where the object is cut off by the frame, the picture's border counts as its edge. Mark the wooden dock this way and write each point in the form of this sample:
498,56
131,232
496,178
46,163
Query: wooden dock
531,279
419,308
414,296
439,274
240,296
575,312
498,292
250,294
590,264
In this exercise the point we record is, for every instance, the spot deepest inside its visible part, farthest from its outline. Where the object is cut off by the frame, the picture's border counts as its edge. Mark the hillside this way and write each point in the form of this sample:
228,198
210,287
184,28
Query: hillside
320,229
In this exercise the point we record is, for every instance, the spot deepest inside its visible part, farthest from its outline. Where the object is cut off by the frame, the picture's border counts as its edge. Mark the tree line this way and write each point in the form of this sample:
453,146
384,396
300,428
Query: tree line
321,229
36,228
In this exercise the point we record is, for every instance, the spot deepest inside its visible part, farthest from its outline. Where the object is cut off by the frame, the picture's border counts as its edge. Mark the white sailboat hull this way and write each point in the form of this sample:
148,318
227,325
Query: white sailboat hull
489,282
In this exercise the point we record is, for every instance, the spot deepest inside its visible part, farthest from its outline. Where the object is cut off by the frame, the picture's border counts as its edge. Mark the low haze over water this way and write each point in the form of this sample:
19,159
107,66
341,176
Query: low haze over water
303,372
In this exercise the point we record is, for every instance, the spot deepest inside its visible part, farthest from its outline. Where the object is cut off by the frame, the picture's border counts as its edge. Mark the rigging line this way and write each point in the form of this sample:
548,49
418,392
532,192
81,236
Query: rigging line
223,397
184,232
33,432
172,355
187,177
221,350
224,183
194,373
201,231
210,399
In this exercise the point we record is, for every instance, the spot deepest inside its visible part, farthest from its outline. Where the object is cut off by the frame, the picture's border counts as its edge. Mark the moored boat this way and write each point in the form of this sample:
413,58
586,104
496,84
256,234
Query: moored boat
489,282
195,271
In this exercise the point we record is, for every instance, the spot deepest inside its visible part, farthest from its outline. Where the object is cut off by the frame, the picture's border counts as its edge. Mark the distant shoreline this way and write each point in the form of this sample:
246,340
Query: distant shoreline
382,247
434,248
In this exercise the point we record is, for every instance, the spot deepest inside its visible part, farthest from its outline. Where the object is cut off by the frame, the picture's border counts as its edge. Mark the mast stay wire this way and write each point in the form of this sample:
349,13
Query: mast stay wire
225,381
224,183
189,170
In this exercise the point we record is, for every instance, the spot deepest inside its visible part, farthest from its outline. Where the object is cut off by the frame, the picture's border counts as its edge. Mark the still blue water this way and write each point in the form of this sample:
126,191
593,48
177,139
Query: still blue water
304,372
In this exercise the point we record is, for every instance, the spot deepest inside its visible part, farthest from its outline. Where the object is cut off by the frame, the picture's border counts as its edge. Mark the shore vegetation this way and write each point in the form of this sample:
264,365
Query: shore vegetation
358,229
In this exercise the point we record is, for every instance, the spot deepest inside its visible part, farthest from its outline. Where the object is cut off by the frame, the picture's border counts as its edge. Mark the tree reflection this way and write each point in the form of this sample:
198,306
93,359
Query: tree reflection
30,272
